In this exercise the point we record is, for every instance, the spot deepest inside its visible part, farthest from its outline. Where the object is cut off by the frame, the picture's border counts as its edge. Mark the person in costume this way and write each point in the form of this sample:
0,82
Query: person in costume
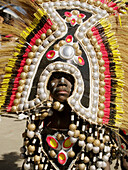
59,143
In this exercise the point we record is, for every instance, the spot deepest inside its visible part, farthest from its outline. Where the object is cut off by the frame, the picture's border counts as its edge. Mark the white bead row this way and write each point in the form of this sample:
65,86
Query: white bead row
31,73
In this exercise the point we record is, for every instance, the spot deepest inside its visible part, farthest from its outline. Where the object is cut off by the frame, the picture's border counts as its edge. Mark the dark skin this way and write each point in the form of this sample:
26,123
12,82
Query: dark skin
59,120
60,86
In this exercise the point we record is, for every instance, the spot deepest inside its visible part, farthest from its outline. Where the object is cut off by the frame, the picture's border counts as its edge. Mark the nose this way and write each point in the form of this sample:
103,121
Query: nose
62,82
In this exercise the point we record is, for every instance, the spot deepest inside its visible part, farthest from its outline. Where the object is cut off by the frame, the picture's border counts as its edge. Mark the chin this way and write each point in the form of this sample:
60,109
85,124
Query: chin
62,99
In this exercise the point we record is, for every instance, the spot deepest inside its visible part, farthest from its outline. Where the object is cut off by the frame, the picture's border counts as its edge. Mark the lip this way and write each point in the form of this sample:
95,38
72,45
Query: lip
62,92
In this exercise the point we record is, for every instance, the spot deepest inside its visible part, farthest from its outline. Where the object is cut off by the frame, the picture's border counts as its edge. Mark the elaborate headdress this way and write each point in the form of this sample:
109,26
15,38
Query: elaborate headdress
80,38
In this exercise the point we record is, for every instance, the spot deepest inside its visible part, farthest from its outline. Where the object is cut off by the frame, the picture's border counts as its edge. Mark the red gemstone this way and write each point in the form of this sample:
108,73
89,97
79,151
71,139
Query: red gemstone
68,14
52,142
81,61
50,54
80,15
73,21
69,38
67,144
62,158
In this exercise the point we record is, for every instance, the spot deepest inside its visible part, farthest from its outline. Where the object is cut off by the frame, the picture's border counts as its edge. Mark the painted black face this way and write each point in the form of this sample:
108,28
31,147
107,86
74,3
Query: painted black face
61,86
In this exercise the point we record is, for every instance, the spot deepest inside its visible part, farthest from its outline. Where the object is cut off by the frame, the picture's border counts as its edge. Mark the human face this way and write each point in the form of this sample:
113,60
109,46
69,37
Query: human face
60,86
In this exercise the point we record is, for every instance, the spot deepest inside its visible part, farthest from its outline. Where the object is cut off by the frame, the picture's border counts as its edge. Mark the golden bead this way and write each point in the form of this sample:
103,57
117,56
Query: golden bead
21,82
39,1
75,12
43,110
68,19
93,40
60,136
75,45
102,83
89,33
104,140
102,76
20,88
16,101
56,105
101,62
102,69
23,75
34,48
82,137
111,145
26,142
52,153
28,61
99,120
72,127
102,91
49,103
18,95
113,155
102,99
62,42
30,55
76,133
90,139
44,115
26,68
101,106
31,148
56,47
99,55
78,52
107,138
82,0
31,127
41,166
97,47
113,150
79,21
86,159
115,145
46,0
100,113
71,154
110,10
102,146
38,42
90,1
43,36
49,32
81,166
97,3
37,159
14,109
103,6
53,27
96,142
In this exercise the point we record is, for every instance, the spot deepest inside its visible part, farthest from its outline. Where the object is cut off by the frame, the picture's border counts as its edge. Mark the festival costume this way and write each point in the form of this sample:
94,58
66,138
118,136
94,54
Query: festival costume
76,38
